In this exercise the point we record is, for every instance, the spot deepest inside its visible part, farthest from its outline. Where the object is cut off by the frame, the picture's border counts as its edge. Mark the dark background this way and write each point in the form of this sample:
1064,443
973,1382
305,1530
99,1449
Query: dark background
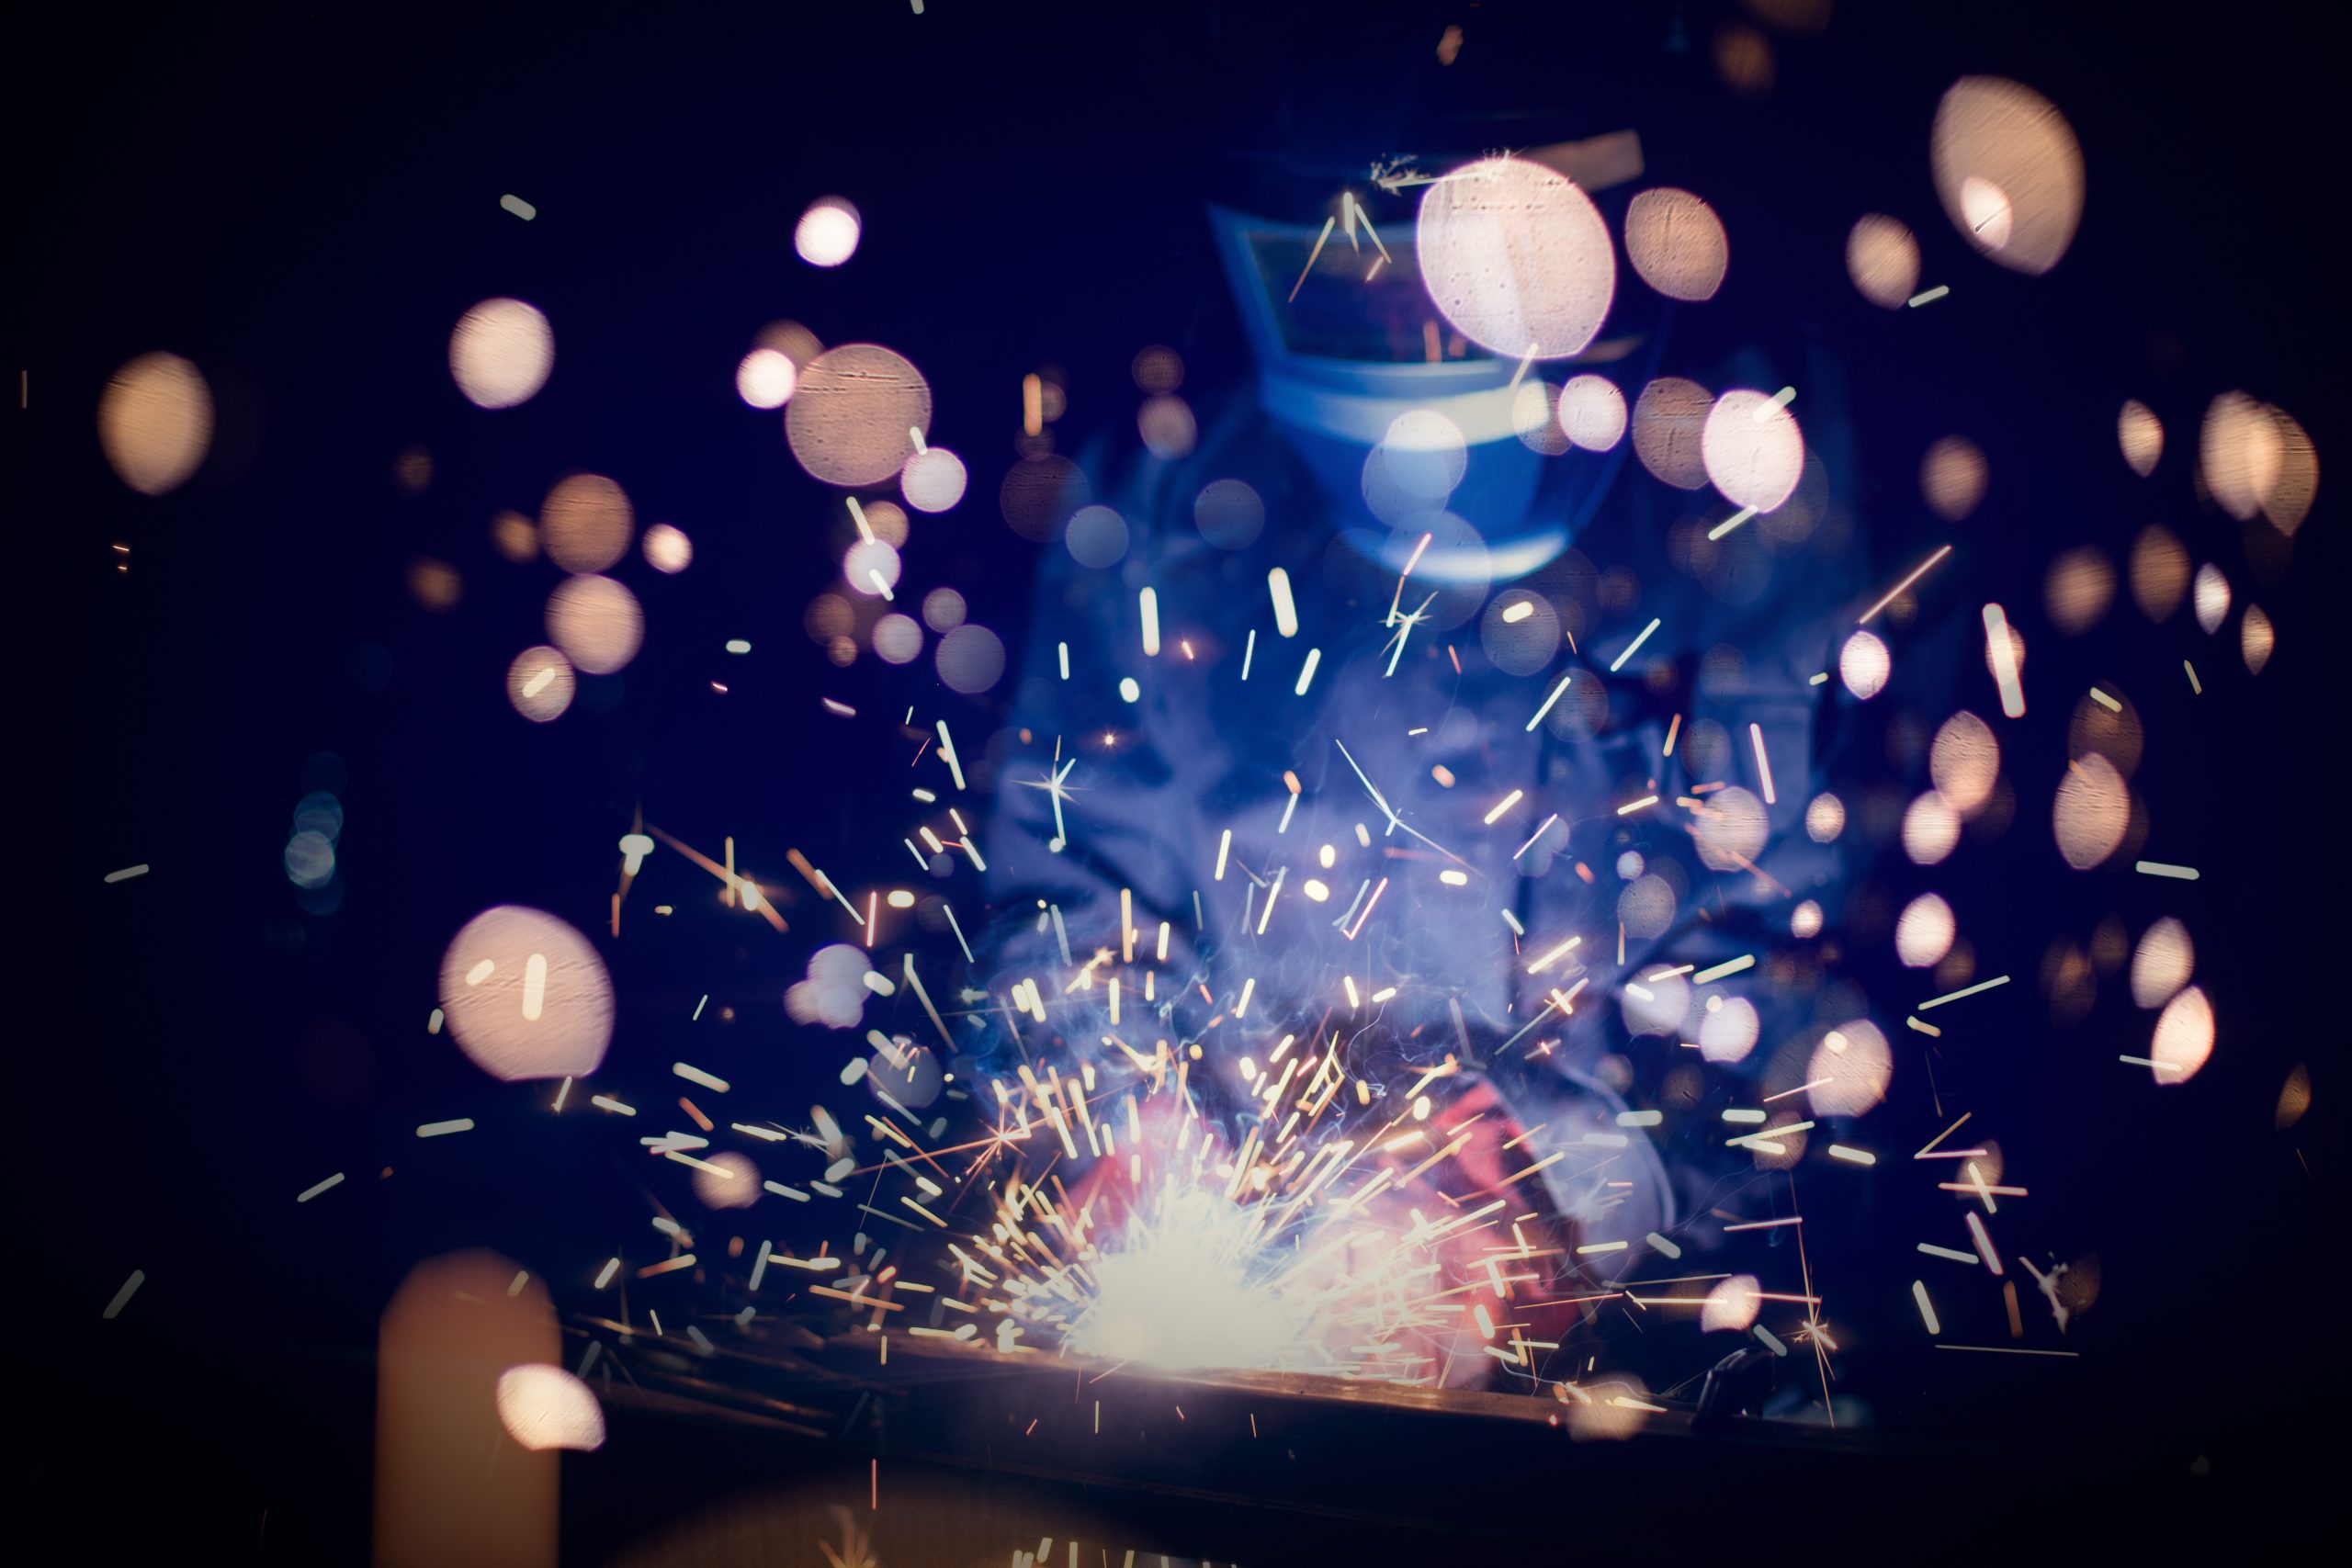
303,204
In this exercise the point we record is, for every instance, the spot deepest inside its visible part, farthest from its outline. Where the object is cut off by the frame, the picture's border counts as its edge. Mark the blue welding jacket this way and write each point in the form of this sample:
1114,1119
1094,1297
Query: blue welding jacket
1510,808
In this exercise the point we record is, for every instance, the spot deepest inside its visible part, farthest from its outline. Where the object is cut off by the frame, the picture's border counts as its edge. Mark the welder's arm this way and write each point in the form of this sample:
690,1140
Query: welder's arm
1097,824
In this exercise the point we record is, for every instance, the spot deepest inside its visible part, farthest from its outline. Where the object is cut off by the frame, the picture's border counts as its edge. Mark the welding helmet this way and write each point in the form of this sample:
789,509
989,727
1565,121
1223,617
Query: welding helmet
1410,429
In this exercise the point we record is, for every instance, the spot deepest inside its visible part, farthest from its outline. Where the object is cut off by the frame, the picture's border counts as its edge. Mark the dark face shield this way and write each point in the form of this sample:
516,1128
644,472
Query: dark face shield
1410,428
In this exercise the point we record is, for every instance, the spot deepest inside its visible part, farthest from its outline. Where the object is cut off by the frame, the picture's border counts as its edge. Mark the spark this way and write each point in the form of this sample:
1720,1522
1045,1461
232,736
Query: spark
1728,524
1555,697
1562,950
1317,250
1763,764
1285,608
2003,655
122,1297
1896,592
1965,991
1537,834
1619,662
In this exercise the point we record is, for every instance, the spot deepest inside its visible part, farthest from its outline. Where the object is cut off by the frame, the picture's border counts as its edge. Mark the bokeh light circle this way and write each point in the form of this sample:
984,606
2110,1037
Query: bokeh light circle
2297,486
898,640
1677,244
1229,514
1930,829
908,1073
2184,1038
735,1184
2009,170
541,684
1097,536
1039,493
2239,449
1752,450
1727,1033
1857,1064
871,567
2112,729
1592,412
1964,761
1670,425
1516,258
1535,418
156,422
1157,369
765,379
1732,1304
1952,477
2210,596
943,609
2078,590
2141,434
1864,664
934,479
2159,572
596,622
586,523
970,660
525,995
1924,931
828,232
2162,963
851,418
1424,454
544,1406
2091,811
1521,632
501,353
1883,258
667,548
2257,639
1167,427
1730,830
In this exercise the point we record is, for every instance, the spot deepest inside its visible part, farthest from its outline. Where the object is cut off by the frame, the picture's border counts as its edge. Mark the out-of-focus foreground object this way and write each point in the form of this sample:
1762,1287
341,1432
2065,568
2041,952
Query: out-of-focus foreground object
452,1487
